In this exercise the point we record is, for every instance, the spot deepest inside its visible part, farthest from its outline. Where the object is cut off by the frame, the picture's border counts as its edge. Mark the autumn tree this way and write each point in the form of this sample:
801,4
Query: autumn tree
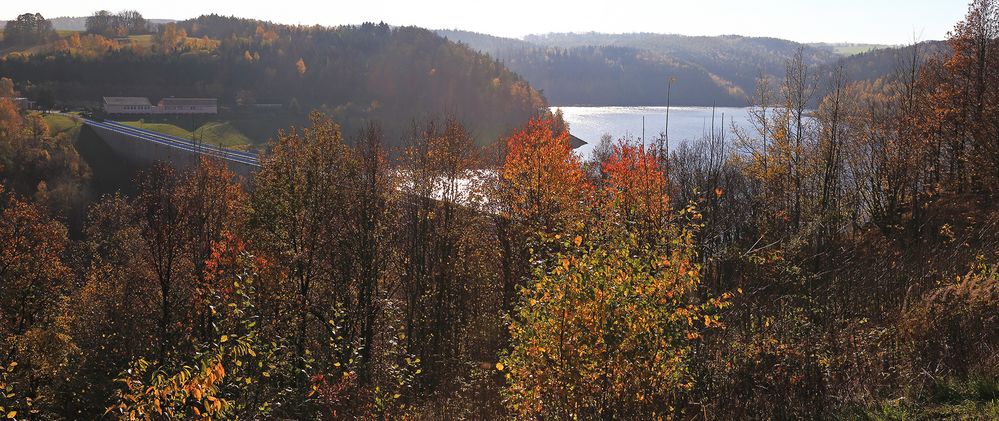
100,23
375,196
297,204
115,309
973,65
609,331
539,195
170,38
543,179
123,23
638,188
300,67
7,88
32,272
212,204
779,145
227,374
28,28
162,219
441,239
33,280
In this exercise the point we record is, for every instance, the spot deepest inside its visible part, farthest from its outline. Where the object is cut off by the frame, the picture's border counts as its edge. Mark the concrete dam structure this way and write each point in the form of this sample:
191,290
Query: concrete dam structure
145,147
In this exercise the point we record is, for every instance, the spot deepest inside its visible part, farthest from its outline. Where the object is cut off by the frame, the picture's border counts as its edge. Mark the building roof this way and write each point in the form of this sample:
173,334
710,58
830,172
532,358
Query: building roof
208,102
126,100
575,142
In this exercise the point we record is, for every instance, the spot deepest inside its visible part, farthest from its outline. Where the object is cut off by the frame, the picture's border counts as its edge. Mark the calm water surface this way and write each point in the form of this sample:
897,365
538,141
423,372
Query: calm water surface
685,123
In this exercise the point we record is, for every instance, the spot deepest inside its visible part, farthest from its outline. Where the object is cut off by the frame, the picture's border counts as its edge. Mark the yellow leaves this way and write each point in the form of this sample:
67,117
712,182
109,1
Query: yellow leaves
224,338
11,415
577,241
300,66
544,177
500,366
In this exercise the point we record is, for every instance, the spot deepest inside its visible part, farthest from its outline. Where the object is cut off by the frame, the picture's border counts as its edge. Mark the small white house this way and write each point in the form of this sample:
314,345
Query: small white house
127,105
24,103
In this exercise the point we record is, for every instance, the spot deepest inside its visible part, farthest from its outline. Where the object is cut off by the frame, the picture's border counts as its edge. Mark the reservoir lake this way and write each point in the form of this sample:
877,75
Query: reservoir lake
685,123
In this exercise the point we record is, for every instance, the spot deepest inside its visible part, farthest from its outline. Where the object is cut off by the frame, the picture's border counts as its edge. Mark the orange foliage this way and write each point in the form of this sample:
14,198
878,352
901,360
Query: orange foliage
31,269
636,183
86,46
543,178
300,66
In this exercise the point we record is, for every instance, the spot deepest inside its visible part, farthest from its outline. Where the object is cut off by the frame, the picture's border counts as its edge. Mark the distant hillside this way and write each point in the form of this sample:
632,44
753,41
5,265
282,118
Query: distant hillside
847,49
354,73
632,69
617,76
485,43
622,69
881,62
731,60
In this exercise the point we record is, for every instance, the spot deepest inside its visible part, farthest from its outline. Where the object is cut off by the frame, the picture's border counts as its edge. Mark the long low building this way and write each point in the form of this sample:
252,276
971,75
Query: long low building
127,105
188,106
140,105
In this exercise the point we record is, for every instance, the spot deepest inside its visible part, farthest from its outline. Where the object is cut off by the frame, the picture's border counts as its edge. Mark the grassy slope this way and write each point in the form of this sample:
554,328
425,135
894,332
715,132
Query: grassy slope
60,123
214,133
140,40
134,40
849,50
974,399
222,133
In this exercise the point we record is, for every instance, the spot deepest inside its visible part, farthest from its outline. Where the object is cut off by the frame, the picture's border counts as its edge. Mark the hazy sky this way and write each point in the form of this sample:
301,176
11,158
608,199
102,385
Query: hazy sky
878,21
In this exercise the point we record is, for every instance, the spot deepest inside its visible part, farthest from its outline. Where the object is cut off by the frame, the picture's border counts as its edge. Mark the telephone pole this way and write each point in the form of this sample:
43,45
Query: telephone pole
664,147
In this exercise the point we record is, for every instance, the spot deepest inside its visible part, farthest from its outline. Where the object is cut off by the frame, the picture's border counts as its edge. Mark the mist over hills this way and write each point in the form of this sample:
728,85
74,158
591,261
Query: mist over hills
613,69
356,74
632,69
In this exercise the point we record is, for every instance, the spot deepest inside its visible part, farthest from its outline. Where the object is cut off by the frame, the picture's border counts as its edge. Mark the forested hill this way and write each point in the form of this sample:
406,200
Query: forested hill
881,62
624,69
354,73
79,23
632,69
734,59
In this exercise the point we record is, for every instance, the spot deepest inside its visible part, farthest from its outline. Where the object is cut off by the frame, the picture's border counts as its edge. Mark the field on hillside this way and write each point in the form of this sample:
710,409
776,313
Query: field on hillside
59,123
138,40
215,133
851,50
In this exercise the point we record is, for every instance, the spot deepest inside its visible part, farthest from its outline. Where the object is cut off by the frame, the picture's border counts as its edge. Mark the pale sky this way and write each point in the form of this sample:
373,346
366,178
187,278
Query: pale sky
875,21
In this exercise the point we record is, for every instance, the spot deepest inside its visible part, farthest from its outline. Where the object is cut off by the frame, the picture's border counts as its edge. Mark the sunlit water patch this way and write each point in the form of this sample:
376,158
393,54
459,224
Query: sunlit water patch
685,123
